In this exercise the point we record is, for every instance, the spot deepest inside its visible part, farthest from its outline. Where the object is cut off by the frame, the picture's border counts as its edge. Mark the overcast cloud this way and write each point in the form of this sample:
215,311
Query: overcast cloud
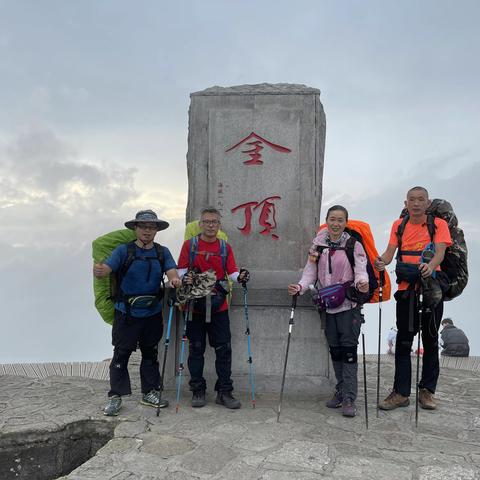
93,127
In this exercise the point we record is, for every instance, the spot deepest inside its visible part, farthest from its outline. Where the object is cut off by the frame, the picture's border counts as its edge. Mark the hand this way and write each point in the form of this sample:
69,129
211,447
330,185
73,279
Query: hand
176,282
100,270
425,270
294,289
362,287
188,278
243,276
379,264
313,254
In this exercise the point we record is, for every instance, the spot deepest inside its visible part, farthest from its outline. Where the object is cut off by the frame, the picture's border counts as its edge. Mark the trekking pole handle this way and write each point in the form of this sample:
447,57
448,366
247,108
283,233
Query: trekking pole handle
382,278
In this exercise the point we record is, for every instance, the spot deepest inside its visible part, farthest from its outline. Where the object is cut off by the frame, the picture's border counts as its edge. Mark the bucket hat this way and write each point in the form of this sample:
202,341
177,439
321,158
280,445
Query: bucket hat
147,216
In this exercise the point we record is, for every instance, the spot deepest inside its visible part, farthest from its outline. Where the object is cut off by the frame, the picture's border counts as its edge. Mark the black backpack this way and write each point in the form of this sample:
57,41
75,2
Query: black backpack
454,264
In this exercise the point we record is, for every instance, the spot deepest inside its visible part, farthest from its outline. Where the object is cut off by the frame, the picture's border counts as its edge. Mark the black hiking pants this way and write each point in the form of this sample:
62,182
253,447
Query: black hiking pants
146,332
219,337
407,329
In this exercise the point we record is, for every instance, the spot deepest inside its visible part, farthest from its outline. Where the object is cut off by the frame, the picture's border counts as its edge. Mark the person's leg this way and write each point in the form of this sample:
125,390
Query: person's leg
219,338
349,324
196,333
430,365
150,337
331,334
124,341
403,346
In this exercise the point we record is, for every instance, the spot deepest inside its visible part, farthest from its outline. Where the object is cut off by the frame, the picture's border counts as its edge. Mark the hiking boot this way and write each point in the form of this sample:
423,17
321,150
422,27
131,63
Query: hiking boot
226,399
198,399
113,407
335,401
349,408
152,399
426,399
394,400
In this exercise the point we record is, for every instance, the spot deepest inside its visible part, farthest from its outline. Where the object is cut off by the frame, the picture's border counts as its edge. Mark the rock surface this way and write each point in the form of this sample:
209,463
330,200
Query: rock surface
310,442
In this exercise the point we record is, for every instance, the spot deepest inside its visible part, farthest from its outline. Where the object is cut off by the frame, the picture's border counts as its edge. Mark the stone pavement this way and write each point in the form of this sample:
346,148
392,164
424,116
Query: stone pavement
310,442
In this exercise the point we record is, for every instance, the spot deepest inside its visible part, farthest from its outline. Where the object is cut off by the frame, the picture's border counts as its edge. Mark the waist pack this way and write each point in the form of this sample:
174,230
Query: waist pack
407,272
331,297
142,301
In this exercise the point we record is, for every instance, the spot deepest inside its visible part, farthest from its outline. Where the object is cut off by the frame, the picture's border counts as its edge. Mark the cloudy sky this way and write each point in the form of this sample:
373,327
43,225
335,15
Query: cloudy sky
94,100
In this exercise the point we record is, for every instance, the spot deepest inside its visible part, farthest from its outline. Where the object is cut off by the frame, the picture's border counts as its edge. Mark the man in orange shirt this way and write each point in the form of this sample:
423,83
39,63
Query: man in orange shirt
411,245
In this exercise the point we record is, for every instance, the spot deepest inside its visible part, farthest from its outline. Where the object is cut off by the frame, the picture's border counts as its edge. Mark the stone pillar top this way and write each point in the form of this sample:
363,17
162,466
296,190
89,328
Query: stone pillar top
259,89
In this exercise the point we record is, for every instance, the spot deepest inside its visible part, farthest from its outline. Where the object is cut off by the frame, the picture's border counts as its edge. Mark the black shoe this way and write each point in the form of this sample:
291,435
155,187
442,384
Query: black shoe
198,399
226,399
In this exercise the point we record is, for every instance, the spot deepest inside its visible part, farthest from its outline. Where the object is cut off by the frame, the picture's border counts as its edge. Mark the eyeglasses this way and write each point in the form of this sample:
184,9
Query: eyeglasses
212,223
146,227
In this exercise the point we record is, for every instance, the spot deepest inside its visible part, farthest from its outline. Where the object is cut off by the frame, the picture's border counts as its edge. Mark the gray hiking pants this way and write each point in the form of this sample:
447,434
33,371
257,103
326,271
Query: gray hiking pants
342,331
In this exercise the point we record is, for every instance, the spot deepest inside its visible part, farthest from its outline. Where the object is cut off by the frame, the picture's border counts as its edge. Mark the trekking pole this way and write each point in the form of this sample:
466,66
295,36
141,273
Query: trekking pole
420,308
290,325
247,333
380,300
167,343
182,355
365,380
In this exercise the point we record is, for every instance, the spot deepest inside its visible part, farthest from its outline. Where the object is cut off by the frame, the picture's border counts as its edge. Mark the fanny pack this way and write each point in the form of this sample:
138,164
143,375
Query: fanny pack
407,272
143,301
332,296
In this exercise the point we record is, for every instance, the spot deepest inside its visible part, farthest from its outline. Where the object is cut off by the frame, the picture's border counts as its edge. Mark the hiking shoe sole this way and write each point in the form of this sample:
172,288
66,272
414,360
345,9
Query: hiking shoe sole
235,406
427,407
163,404
406,403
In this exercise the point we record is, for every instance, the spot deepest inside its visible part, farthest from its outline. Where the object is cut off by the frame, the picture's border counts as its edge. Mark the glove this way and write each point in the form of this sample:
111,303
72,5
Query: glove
243,276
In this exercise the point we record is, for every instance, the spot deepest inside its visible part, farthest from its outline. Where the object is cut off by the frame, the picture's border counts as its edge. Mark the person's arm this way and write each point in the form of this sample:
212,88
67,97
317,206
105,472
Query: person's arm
385,258
101,270
309,276
173,277
360,269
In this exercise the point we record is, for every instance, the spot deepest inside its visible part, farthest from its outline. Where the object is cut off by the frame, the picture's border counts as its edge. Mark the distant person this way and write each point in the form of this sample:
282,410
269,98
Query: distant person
391,339
138,308
454,342
328,265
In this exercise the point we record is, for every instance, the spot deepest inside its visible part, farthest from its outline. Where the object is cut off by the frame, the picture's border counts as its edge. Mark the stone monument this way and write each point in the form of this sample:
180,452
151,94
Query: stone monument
255,152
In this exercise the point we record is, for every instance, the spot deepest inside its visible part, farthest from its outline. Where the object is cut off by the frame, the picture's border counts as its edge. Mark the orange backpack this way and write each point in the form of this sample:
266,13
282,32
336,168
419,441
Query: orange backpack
362,233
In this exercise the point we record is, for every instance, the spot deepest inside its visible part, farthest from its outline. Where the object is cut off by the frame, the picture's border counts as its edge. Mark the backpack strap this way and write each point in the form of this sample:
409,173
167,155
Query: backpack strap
349,249
193,248
124,268
400,230
431,226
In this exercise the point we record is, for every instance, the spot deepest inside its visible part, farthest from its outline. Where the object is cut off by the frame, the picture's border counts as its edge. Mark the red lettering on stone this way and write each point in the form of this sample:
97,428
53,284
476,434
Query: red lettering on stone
266,218
257,147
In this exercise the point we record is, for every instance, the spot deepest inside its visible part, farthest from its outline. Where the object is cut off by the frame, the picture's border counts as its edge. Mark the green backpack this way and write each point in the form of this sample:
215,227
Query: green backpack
102,247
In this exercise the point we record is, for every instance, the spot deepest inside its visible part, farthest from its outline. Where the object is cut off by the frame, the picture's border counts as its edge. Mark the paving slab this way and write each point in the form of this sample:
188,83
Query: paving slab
51,424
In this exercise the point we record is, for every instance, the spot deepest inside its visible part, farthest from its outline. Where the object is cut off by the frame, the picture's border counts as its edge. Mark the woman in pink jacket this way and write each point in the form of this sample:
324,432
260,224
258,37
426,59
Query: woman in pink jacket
329,268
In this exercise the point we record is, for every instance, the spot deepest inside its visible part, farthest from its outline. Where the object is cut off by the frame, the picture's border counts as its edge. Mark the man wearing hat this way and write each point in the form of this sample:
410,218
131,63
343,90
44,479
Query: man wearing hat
139,267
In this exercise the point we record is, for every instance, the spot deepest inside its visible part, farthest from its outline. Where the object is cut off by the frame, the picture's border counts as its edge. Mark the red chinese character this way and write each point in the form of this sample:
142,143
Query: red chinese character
257,147
266,218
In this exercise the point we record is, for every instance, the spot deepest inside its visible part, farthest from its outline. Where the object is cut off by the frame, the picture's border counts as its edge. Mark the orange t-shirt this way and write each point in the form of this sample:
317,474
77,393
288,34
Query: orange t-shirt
416,237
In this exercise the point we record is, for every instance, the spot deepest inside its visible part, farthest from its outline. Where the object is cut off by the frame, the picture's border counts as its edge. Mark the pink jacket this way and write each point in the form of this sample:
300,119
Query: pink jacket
341,269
